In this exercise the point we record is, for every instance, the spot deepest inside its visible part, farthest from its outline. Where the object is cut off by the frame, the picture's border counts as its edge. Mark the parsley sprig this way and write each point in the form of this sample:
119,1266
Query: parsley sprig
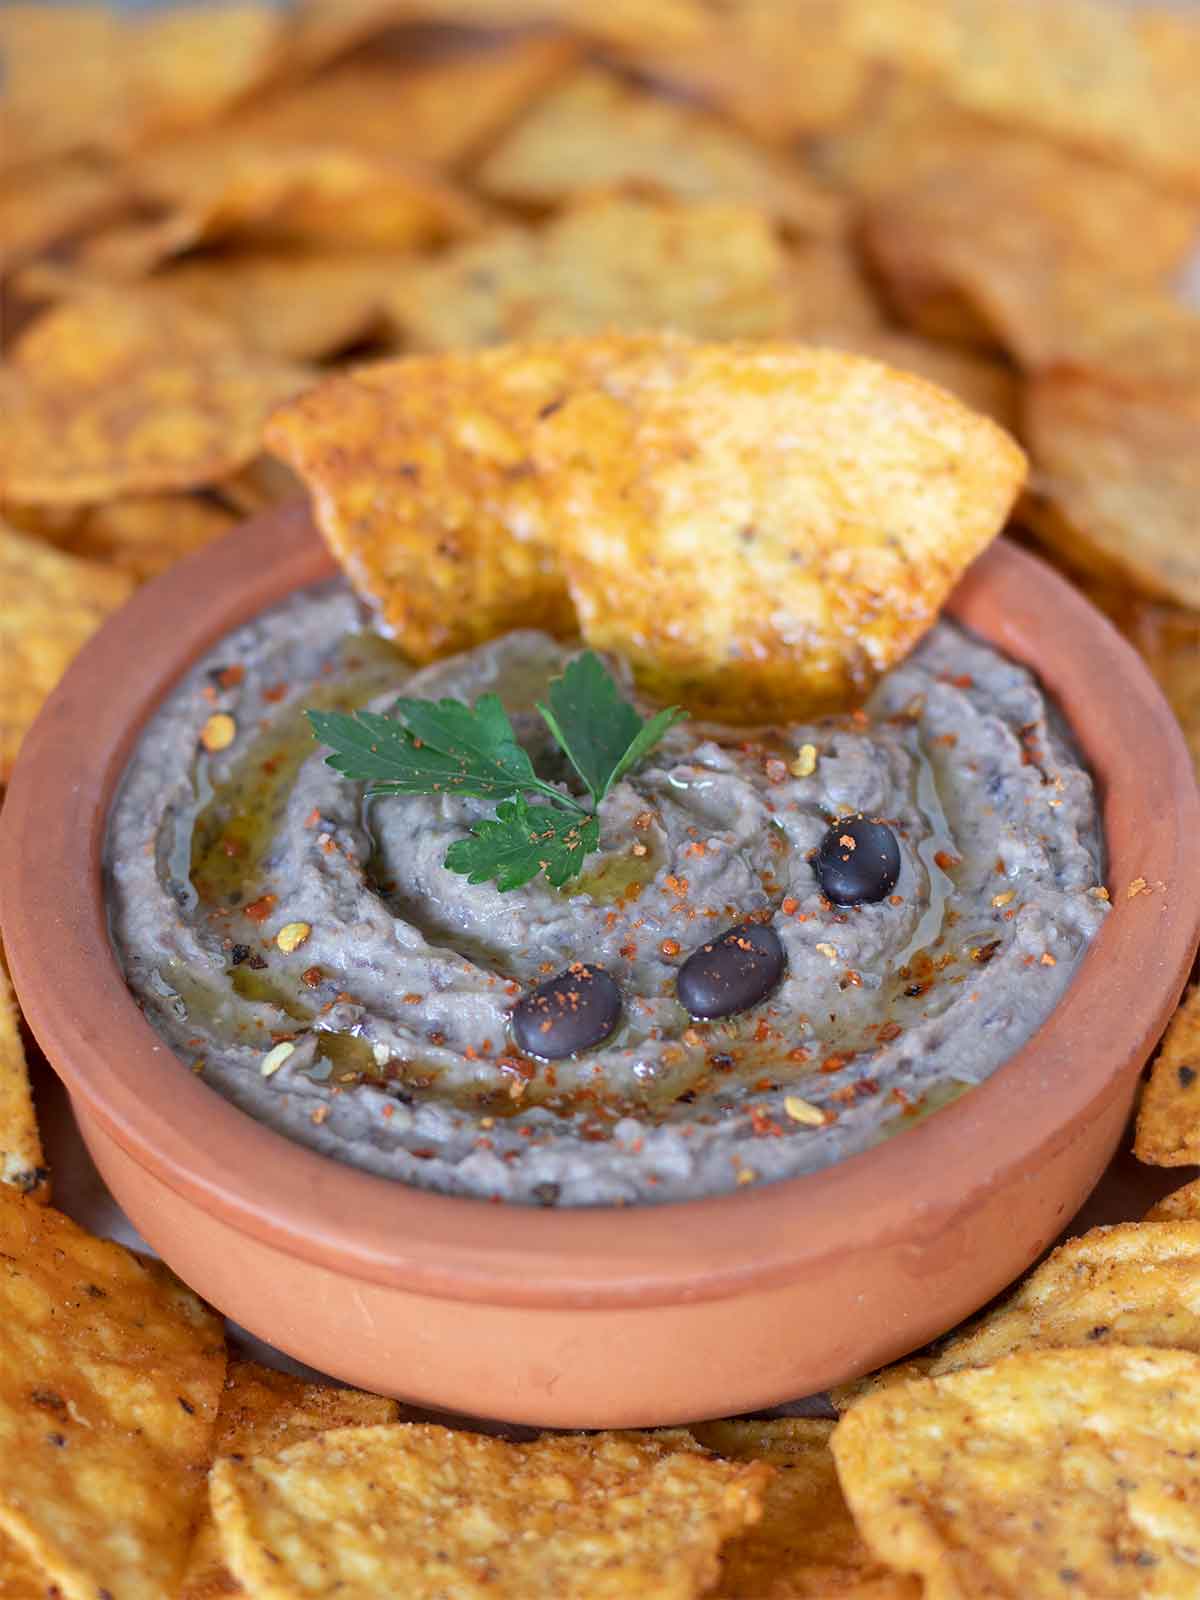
448,747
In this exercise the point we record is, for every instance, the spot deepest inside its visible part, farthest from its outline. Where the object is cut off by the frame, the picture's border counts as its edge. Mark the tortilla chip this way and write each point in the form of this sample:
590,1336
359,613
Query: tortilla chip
63,88
806,1543
1052,1471
189,63
107,396
44,204
264,482
234,186
299,306
761,530
1169,642
110,1374
596,131
702,267
436,109
423,485
263,1411
1117,482
828,289
1181,1205
1082,72
146,535
21,1161
52,605
781,71
1011,216
1168,1122
985,385
411,1509
20,1578
325,29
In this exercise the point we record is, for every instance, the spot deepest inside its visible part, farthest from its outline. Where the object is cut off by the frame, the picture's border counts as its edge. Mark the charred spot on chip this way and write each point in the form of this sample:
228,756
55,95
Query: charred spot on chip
1187,1077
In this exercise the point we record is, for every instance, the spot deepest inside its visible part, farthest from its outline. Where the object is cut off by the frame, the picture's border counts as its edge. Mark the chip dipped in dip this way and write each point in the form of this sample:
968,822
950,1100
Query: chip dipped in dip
789,943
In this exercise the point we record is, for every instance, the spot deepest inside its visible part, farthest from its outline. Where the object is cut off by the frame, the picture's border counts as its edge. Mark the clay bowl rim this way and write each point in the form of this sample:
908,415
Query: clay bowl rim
901,1191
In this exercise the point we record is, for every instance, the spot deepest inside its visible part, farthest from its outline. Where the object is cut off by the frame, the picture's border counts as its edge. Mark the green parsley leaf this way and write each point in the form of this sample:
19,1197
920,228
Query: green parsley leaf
602,734
523,840
440,746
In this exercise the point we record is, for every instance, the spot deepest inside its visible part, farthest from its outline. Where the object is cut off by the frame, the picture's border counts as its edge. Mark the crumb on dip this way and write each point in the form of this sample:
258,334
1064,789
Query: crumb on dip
307,951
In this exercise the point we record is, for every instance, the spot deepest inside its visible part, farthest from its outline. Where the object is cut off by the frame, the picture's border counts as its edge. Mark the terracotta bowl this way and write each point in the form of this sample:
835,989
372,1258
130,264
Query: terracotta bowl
600,1317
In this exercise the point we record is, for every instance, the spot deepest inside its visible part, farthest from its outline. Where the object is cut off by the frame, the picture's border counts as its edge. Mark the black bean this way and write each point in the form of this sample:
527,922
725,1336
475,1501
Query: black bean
569,1013
858,861
731,973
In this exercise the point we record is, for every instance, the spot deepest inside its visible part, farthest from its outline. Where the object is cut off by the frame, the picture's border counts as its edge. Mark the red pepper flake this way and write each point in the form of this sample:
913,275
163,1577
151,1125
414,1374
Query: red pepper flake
311,977
643,820
775,769
230,677
790,907
835,1062
275,692
947,739
763,1125
799,1054
946,861
259,910
313,818
698,849
628,951
670,947
887,1031
850,979
677,886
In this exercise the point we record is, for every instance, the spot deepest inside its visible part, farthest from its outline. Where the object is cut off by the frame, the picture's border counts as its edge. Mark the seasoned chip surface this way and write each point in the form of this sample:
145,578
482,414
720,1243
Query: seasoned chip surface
53,603
263,1411
1118,481
806,1543
1168,1124
762,529
21,1161
703,267
594,131
105,396
424,486
110,1374
1052,1472
424,1512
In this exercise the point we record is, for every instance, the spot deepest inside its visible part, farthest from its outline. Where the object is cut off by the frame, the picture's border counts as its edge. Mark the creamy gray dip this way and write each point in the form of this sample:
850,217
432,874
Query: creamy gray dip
396,1003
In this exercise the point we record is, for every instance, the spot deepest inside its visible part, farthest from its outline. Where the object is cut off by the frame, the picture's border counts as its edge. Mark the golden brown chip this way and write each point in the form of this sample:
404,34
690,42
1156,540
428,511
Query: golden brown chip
1168,1123
143,536
110,1374
297,305
828,289
1117,482
763,529
976,244
264,482
188,63
63,86
806,1543
596,132
1080,71
781,71
1169,641
1051,1472
437,109
1181,1205
983,384
233,185
21,1161
20,1577
263,1411
52,605
419,1510
106,396
43,204
424,487
703,267
325,29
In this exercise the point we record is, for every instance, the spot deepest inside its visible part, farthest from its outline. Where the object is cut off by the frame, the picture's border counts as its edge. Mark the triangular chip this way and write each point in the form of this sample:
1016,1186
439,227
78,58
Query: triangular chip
423,484
704,267
186,64
420,1510
1168,1123
110,1374
595,131
1117,481
1051,1472
42,204
53,603
63,88
1181,1205
434,108
806,1544
105,395
762,530
21,1161
263,1411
